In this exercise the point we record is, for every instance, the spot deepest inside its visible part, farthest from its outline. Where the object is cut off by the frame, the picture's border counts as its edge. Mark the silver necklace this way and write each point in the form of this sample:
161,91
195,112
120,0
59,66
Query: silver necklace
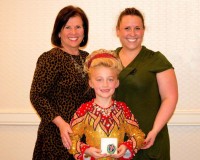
79,67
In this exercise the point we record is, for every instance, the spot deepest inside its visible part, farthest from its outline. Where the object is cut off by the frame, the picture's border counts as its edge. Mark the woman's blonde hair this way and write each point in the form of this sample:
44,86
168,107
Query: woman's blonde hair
102,57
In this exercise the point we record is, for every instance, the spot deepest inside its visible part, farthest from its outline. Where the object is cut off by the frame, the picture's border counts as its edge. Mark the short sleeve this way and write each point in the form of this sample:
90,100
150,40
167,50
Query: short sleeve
159,63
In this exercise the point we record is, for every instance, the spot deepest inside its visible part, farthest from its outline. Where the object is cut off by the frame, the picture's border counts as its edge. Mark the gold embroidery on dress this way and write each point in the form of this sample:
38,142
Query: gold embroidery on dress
89,121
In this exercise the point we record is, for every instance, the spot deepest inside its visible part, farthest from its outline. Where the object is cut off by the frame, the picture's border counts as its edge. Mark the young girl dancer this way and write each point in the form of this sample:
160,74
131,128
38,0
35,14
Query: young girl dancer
104,117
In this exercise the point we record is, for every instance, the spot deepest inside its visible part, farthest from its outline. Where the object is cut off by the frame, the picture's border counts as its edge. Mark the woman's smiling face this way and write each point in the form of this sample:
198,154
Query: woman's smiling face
131,32
72,33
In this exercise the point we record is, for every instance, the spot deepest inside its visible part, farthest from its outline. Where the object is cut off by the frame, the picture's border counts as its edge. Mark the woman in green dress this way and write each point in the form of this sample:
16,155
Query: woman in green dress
147,84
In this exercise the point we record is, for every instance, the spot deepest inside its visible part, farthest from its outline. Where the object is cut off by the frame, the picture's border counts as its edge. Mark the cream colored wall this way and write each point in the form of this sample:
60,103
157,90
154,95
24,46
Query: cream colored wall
25,29
17,141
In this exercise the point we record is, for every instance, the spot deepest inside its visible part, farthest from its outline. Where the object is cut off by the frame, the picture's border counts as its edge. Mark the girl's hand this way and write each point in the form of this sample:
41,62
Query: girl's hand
94,152
120,152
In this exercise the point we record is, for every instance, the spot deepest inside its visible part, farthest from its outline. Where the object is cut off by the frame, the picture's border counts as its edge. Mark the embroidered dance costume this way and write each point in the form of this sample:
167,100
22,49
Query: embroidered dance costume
96,123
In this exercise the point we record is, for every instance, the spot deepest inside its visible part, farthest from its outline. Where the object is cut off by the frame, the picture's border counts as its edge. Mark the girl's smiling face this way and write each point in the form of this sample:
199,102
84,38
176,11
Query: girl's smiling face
104,81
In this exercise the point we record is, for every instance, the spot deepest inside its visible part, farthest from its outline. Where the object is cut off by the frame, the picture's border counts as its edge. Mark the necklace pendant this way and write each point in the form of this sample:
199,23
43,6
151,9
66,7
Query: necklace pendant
78,67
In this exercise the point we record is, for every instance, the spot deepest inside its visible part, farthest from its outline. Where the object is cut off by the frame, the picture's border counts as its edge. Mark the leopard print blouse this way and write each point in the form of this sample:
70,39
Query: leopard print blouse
58,89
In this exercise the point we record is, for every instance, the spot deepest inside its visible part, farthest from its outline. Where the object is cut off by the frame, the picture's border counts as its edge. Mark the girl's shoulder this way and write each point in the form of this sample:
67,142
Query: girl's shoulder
84,108
122,105
125,109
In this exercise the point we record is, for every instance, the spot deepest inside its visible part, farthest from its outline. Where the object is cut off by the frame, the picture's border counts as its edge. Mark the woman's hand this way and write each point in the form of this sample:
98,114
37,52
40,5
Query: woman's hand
94,152
65,130
149,141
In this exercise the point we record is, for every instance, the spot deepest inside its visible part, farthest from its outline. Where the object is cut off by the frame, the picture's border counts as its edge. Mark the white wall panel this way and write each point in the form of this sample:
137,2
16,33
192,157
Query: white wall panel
172,27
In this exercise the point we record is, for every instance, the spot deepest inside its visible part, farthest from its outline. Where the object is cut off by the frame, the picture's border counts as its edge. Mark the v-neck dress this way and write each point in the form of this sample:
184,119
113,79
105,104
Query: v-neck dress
139,90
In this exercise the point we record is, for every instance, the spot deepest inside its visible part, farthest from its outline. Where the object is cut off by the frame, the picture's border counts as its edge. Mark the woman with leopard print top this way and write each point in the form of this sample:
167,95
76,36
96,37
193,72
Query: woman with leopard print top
60,85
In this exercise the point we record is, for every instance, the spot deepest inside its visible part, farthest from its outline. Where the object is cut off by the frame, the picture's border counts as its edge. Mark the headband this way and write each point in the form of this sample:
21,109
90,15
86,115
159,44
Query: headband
101,55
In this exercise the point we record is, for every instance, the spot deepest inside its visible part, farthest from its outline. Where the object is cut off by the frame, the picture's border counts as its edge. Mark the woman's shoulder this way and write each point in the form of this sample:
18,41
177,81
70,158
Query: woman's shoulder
157,60
151,53
50,53
52,57
84,53
117,50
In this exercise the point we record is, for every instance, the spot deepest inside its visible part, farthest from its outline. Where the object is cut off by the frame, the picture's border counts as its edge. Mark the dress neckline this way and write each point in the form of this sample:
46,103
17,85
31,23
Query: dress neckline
104,111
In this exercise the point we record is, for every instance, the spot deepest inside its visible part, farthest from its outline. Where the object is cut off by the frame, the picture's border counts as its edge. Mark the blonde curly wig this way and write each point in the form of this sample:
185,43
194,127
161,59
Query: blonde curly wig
102,57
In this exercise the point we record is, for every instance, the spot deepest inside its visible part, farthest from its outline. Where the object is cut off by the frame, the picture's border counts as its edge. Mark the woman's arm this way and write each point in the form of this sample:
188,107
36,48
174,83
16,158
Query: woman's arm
168,89
44,78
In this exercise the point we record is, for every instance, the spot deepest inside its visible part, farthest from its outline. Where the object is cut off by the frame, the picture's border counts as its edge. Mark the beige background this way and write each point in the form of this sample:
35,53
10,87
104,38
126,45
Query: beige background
172,27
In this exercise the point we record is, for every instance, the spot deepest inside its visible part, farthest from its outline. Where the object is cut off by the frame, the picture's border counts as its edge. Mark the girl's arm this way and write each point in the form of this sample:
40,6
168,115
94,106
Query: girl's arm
134,133
77,126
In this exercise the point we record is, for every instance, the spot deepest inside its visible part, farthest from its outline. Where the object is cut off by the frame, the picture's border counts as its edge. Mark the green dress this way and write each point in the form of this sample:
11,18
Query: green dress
139,90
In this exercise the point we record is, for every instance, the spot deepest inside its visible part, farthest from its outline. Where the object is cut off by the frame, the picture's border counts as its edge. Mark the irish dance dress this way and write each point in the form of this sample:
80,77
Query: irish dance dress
96,122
